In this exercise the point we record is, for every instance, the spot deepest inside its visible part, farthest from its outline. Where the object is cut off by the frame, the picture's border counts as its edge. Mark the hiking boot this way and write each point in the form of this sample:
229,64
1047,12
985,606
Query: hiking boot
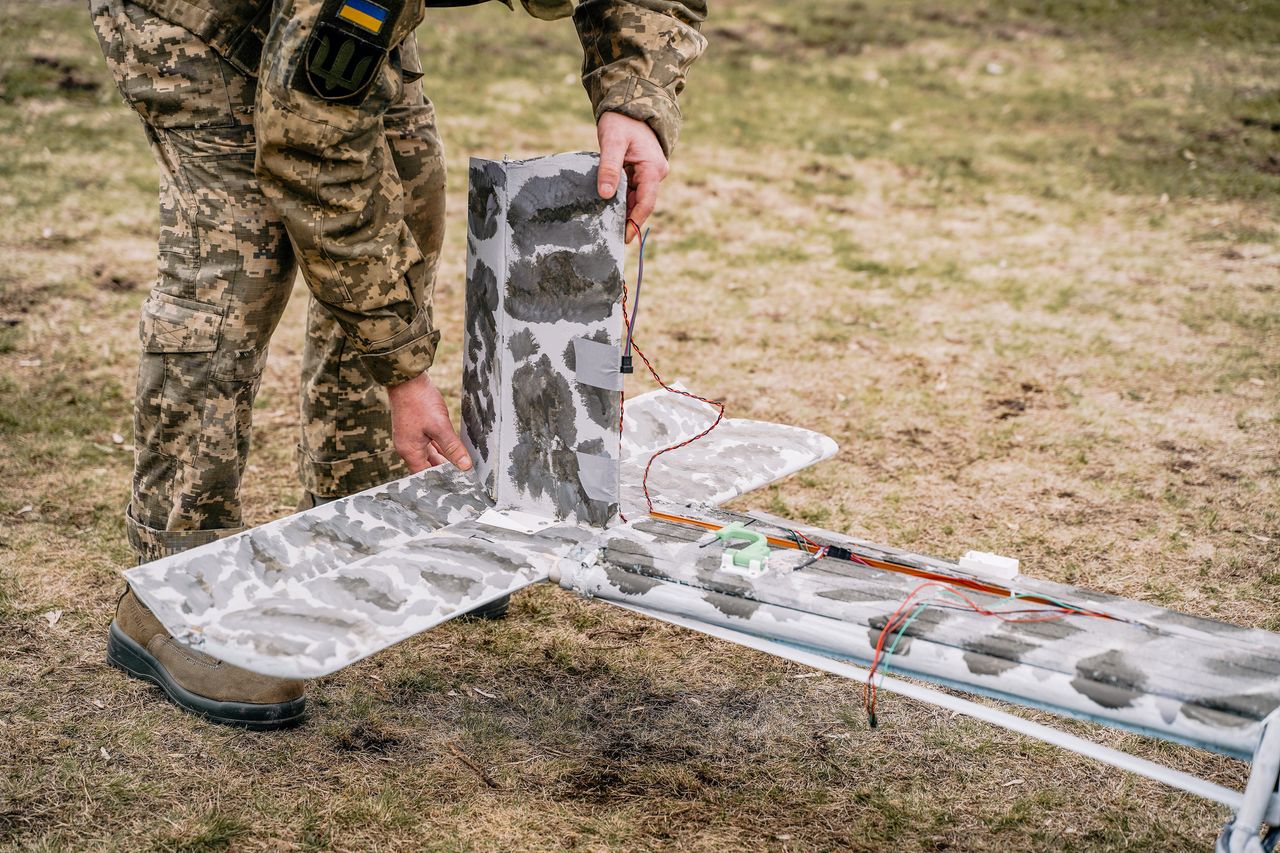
311,501
219,692
496,609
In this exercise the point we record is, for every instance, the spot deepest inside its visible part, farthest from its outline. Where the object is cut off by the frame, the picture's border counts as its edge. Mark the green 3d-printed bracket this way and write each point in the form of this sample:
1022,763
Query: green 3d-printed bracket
756,551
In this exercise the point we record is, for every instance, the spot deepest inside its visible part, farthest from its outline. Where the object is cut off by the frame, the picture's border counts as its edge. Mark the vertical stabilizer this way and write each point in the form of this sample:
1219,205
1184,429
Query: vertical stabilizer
541,389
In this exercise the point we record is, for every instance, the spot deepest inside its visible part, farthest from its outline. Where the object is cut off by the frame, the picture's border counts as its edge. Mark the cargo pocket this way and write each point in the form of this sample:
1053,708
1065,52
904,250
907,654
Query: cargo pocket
227,420
214,166
179,346
166,73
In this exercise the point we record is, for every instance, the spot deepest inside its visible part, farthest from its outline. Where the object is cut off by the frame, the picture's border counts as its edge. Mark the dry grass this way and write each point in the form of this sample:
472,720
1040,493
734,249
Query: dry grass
1021,261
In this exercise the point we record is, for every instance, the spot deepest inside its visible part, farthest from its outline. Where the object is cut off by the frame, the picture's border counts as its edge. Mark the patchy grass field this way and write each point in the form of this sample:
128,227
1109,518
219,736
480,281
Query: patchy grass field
1022,260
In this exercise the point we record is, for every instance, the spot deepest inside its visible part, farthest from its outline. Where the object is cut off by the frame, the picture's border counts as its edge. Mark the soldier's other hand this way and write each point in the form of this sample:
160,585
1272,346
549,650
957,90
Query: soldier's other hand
421,430
626,143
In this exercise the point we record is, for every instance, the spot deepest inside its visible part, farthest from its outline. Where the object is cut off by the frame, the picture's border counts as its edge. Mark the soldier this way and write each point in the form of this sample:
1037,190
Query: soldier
294,134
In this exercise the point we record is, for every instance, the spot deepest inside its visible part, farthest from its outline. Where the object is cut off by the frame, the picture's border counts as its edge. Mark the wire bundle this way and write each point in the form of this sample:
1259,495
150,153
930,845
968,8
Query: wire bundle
900,620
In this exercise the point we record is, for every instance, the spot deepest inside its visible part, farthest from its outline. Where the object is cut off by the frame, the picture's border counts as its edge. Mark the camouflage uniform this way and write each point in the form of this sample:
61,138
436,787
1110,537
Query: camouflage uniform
279,151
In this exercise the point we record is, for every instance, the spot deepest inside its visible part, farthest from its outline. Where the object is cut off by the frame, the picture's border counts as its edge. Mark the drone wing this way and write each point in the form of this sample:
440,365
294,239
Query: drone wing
1116,661
308,594
736,457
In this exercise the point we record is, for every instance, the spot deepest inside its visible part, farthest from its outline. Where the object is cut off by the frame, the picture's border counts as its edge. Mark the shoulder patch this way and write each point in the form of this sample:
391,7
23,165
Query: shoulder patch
339,66
365,15
348,46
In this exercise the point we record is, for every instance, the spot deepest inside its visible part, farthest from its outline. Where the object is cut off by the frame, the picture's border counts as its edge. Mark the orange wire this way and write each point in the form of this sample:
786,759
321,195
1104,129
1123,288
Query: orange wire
872,562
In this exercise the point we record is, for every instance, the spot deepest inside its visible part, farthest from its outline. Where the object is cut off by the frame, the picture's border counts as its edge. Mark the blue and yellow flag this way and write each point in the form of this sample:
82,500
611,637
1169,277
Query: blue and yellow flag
363,14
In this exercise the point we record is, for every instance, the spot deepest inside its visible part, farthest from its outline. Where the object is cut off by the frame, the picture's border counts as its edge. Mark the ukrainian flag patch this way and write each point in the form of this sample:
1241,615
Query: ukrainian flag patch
366,15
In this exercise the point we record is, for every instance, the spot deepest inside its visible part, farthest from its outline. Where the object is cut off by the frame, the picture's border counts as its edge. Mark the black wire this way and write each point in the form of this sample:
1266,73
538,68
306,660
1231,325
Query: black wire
635,304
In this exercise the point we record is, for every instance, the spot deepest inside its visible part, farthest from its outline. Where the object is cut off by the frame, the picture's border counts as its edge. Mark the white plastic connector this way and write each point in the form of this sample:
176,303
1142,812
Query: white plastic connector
754,568
989,565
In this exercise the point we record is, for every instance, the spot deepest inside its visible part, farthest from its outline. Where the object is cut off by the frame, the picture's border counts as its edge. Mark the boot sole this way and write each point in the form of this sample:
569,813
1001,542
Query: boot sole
493,611
127,655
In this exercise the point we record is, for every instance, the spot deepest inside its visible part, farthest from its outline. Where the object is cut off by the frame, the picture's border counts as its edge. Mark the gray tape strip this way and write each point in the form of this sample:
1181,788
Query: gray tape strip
596,364
599,476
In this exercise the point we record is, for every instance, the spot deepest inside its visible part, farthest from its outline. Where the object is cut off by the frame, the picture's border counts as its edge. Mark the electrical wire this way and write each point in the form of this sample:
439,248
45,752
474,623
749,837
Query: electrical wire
898,623
635,305
887,564
629,321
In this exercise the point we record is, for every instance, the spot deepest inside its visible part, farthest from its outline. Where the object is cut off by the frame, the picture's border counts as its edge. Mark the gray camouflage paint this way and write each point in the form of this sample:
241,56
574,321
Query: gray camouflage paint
1200,681
737,457
544,266
308,594
311,593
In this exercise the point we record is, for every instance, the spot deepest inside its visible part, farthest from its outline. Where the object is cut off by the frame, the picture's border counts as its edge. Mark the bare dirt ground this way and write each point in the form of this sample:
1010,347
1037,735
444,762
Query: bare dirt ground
1021,260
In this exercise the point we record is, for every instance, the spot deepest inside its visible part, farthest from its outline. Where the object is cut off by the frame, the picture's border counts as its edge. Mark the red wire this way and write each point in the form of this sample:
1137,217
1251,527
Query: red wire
644,483
869,688
896,619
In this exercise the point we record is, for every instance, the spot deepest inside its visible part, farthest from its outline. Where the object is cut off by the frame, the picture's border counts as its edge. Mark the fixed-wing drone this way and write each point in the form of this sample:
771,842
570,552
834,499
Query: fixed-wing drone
621,505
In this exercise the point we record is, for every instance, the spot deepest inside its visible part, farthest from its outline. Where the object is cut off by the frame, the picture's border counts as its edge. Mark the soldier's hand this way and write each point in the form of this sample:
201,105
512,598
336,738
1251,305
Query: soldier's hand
420,427
631,145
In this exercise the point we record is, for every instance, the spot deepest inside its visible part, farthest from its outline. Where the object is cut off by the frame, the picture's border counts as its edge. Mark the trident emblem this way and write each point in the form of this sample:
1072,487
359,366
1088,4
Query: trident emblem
335,76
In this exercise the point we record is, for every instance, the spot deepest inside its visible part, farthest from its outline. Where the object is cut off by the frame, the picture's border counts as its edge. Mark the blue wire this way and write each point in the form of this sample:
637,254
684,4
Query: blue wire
884,665
635,305
905,625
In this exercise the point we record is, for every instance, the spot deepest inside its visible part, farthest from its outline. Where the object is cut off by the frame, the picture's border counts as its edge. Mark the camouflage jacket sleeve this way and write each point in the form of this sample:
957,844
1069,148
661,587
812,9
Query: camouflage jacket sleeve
636,54
323,159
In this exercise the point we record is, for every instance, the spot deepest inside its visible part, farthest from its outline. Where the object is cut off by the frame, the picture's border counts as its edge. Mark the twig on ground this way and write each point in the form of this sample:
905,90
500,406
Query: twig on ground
474,768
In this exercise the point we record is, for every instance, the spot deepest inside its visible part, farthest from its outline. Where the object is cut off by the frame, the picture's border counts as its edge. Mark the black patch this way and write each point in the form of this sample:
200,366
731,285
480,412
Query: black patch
850,596
996,654
731,605
1213,717
1209,626
360,589
544,413
1233,711
332,539
476,548
393,514
592,446
542,461
1109,680
482,201
571,285
1247,665
522,345
274,565
602,405
921,627
558,198
340,66
478,410
559,210
629,583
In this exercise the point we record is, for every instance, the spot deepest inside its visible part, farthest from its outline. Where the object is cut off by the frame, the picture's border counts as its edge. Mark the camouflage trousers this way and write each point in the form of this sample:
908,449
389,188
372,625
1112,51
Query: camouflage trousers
226,269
